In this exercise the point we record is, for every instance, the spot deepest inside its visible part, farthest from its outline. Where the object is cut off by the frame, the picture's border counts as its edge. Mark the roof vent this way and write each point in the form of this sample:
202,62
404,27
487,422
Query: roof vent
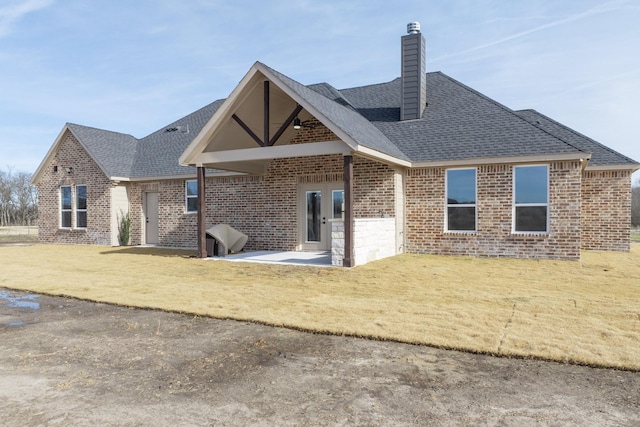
183,129
413,28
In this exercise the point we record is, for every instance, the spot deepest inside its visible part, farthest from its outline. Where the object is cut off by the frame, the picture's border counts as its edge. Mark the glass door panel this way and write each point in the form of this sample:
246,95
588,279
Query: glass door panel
337,202
314,218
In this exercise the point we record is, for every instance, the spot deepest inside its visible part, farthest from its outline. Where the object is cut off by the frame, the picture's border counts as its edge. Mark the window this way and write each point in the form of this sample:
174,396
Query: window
531,199
461,199
337,200
65,206
191,191
81,206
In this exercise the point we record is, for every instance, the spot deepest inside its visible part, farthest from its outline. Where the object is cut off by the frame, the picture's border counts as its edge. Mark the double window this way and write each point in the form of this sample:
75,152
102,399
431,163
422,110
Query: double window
71,207
191,196
531,199
461,200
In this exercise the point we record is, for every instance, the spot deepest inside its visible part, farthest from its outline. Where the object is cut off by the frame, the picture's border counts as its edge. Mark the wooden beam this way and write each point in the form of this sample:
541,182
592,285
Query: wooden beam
347,261
210,159
285,125
265,141
202,214
246,129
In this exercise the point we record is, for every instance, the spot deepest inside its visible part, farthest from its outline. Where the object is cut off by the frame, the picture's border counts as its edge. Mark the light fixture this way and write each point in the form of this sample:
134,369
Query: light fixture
69,169
297,124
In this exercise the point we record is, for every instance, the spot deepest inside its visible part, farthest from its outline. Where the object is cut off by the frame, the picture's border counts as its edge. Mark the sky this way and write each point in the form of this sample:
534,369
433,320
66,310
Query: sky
135,66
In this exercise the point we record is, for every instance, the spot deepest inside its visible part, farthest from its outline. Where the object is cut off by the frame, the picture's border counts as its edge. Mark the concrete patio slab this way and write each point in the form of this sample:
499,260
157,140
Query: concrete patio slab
313,258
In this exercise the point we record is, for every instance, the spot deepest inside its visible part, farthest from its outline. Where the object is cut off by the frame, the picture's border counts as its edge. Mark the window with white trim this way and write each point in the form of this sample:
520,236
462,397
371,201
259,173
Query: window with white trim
531,199
81,206
460,187
65,206
191,196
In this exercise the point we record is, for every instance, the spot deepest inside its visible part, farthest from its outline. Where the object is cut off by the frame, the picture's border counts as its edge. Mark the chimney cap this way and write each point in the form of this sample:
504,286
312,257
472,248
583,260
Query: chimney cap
413,28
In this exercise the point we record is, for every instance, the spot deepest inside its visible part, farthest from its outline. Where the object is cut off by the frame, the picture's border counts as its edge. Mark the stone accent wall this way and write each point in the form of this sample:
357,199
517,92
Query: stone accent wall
425,215
375,238
606,210
85,172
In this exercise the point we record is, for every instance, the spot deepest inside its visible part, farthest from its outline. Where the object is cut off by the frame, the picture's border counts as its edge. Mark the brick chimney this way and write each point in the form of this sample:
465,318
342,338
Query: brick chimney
414,86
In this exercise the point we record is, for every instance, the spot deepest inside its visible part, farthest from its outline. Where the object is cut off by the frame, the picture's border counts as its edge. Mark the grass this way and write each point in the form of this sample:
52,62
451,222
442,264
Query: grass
635,236
585,312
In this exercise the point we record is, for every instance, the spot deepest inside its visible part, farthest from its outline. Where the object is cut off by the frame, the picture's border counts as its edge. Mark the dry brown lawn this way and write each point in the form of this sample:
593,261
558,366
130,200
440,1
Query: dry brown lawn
585,312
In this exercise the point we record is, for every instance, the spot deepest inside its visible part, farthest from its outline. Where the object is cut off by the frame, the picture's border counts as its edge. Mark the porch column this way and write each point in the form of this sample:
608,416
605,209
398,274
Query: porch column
347,261
202,214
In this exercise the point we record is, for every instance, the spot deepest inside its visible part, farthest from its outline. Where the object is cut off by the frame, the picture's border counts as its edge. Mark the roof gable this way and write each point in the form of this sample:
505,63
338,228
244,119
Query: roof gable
353,129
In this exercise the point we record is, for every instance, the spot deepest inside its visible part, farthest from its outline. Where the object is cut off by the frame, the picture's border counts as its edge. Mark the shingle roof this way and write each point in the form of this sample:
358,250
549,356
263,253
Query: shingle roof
601,155
458,124
122,155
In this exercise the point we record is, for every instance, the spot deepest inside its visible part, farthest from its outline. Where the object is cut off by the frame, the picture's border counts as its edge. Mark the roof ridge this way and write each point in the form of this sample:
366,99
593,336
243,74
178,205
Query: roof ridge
193,113
510,111
101,130
575,132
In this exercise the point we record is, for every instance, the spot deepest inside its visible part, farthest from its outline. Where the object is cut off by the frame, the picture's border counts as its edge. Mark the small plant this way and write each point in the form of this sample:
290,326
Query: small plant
124,228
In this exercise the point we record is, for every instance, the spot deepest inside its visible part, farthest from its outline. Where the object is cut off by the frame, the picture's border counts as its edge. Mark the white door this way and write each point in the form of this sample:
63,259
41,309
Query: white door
317,205
151,218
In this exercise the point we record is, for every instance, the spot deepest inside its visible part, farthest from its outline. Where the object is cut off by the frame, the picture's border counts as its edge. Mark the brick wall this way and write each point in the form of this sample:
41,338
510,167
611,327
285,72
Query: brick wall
263,207
85,172
606,210
425,211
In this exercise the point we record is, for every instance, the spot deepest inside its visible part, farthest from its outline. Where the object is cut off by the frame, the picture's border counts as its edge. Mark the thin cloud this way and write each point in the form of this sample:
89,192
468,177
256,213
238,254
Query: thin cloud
11,14
607,7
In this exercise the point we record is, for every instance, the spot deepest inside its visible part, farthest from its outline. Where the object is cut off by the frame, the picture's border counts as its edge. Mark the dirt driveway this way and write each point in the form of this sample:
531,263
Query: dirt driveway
68,362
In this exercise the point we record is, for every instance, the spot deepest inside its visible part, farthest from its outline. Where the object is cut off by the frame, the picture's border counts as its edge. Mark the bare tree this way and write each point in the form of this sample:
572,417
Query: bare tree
18,199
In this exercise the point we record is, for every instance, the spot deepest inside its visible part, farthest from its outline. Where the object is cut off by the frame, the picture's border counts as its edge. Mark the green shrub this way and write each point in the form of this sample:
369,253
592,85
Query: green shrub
124,228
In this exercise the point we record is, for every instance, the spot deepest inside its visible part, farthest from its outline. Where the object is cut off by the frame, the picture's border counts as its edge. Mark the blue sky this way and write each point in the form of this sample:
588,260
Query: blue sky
134,66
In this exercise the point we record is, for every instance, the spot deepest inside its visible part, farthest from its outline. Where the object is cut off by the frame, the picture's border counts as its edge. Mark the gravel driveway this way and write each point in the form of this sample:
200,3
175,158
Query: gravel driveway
65,362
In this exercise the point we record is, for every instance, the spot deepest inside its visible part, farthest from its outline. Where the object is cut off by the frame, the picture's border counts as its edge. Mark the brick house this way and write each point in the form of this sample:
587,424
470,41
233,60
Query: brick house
420,164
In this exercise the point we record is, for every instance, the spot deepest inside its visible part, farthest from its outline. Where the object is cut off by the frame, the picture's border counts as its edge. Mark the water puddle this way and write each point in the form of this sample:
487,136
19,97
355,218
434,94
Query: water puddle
11,299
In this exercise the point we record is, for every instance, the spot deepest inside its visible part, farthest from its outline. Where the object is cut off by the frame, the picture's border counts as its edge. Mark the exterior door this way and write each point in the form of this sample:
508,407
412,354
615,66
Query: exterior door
318,204
151,218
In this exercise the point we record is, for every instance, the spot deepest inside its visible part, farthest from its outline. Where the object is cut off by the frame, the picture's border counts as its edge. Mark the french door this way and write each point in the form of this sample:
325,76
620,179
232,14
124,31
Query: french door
317,205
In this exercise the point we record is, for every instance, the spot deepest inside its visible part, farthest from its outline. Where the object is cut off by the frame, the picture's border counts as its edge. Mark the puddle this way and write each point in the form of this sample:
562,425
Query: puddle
10,299
16,323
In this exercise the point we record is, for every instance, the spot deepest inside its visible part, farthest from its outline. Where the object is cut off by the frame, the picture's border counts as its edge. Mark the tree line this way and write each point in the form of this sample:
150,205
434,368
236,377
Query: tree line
18,199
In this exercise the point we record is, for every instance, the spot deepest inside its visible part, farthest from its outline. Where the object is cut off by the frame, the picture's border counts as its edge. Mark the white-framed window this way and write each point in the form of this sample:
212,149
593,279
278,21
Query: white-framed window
191,196
460,195
531,199
81,206
66,206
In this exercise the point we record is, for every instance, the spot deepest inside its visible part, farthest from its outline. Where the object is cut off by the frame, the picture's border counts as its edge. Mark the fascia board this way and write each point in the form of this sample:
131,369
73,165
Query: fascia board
631,167
54,147
274,152
209,130
501,160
